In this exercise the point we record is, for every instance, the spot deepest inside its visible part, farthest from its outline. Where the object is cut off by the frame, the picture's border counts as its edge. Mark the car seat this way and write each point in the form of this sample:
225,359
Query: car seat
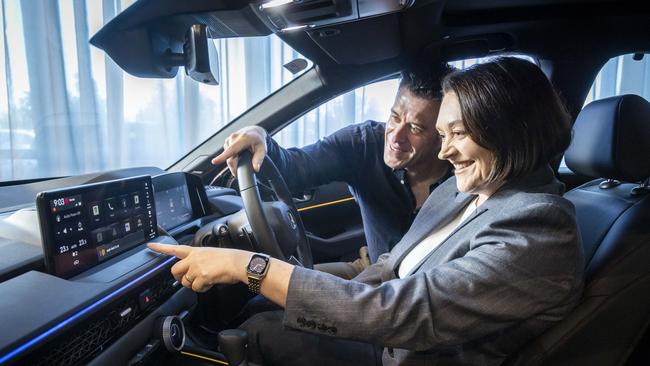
611,141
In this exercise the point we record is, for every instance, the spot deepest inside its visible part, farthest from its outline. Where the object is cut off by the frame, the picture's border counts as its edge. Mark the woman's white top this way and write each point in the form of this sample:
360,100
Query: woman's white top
428,244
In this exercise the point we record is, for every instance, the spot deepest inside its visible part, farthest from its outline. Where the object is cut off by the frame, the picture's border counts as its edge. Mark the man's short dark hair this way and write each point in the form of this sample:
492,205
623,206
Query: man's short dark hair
510,108
424,80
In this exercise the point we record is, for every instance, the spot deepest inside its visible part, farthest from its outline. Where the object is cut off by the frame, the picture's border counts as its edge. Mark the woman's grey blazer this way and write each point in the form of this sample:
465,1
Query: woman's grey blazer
507,273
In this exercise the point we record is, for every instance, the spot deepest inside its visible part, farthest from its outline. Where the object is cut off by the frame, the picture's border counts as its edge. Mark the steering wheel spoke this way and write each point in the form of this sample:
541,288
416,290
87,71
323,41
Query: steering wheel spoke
276,225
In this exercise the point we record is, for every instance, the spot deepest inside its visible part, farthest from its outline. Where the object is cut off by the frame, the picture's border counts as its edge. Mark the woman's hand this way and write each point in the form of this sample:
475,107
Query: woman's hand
201,268
252,138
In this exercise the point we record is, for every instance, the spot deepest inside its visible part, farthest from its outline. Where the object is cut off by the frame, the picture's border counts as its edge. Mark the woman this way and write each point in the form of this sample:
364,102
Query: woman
492,259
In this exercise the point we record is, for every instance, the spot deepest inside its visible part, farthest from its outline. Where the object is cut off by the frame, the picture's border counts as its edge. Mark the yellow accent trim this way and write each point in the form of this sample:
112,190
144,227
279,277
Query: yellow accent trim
204,357
325,204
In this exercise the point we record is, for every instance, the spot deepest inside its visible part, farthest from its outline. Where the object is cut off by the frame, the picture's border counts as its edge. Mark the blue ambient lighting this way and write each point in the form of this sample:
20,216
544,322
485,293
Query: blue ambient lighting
52,330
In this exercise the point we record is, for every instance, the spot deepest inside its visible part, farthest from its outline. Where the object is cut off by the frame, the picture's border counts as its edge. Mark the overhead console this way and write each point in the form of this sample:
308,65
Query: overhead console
283,15
150,38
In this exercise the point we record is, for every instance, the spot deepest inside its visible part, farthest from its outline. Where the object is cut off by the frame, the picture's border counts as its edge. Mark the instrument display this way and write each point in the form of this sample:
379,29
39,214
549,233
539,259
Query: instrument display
173,203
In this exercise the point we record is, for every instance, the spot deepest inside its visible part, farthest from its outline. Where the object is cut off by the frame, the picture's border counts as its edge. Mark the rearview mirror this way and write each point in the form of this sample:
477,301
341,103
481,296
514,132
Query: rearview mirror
201,57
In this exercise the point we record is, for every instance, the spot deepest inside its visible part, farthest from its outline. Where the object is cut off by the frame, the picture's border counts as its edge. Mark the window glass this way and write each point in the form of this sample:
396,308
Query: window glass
370,102
66,108
621,75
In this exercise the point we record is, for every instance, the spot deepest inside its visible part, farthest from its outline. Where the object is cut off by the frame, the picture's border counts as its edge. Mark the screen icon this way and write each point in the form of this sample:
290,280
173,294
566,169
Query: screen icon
100,236
137,200
124,205
124,202
112,233
101,252
111,207
96,210
139,221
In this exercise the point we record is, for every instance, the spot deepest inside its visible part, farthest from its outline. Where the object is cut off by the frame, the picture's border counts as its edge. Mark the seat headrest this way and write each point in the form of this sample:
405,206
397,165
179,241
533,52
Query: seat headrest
611,139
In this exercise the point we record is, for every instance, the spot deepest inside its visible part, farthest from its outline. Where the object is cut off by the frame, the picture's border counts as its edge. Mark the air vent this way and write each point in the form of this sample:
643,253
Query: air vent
87,339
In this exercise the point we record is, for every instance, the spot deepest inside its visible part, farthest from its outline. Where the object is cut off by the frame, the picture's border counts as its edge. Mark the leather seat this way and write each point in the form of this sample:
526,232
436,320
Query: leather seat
611,141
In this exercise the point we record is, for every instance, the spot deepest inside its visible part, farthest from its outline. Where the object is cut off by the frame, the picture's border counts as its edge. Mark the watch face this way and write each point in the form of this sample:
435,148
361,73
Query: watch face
257,265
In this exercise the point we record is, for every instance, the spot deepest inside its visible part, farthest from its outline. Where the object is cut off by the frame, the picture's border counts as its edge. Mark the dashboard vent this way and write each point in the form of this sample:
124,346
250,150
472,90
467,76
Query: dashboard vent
87,341
89,338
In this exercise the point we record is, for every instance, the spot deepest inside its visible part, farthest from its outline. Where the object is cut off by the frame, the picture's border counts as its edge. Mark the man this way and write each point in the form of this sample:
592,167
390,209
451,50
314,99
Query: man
391,167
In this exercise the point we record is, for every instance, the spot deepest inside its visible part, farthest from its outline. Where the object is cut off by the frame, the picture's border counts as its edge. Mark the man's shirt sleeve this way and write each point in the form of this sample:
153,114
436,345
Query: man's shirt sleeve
337,157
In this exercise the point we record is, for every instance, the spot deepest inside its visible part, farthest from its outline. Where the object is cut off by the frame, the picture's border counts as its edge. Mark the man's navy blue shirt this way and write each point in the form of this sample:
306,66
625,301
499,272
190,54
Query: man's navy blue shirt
355,155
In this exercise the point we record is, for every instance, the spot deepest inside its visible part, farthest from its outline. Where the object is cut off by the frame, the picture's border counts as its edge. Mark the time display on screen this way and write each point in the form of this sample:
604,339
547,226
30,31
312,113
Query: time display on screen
65,203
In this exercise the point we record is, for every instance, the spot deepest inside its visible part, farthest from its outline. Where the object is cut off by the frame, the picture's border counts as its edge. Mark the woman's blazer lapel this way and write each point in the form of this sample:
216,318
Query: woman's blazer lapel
443,205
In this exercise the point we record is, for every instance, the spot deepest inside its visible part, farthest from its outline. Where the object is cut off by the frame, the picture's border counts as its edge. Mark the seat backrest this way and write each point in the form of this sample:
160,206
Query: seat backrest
611,141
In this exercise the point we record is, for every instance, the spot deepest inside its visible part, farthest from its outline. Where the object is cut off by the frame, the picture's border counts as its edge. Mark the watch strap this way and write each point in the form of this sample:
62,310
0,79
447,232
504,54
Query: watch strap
254,284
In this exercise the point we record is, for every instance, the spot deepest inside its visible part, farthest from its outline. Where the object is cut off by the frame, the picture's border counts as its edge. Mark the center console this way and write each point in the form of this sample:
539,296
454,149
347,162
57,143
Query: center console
98,296
100,281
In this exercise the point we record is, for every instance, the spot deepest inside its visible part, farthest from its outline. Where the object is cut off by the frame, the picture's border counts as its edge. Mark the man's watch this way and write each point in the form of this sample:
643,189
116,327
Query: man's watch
256,270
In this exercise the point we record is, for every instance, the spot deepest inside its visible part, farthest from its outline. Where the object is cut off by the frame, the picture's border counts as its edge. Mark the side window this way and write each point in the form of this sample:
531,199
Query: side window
621,75
370,102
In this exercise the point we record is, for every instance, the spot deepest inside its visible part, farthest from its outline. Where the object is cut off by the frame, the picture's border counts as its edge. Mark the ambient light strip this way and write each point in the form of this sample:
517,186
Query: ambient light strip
82,312
325,204
204,358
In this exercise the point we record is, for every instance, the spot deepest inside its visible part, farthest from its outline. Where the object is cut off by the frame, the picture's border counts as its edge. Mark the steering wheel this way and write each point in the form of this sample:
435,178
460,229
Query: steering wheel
276,225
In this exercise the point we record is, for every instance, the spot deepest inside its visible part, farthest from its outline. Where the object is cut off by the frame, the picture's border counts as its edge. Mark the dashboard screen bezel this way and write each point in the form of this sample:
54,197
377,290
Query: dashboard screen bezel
194,187
112,188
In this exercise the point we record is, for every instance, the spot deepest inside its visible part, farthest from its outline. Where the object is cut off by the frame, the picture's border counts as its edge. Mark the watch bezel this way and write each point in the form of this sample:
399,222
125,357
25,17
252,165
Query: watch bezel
256,274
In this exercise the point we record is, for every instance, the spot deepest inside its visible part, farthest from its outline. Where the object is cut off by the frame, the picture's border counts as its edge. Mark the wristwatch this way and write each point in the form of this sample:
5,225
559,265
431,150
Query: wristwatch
256,270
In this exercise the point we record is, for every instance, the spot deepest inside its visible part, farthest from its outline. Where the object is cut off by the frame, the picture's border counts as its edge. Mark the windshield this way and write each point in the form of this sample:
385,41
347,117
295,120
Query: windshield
66,108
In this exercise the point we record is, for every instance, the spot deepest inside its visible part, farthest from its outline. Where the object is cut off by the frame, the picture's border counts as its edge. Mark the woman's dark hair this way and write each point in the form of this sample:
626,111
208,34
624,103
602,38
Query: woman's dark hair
510,108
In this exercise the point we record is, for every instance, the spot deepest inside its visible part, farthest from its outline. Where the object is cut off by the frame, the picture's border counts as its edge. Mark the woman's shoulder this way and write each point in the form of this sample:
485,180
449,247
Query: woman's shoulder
535,203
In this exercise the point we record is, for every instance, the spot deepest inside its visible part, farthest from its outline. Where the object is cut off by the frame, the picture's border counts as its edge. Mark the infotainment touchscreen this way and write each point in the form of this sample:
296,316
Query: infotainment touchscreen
86,225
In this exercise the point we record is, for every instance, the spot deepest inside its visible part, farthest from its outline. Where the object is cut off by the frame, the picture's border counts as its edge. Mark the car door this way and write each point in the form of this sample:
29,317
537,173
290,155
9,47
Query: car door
333,222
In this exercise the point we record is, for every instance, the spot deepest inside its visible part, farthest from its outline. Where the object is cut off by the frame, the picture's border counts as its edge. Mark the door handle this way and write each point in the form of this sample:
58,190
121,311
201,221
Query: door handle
304,197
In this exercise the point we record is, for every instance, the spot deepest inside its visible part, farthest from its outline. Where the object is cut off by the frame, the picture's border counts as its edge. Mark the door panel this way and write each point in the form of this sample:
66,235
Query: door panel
332,219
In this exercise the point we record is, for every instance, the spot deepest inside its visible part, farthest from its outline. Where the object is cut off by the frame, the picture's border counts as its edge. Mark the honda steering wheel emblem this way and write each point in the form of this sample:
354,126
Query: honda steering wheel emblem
292,221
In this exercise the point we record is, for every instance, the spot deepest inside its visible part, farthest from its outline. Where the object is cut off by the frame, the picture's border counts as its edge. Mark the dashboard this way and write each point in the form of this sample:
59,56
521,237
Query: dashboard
94,294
